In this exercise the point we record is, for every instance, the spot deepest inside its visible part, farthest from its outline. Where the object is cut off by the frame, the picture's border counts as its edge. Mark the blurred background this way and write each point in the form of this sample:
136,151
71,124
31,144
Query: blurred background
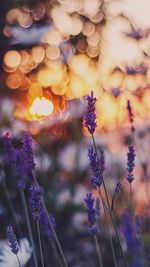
52,54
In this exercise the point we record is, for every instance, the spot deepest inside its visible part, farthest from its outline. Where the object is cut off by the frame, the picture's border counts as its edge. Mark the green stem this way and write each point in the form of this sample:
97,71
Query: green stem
108,204
130,198
55,236
57,259
99,252
18,260
110,238
40,243
146,183
28,226
147,193
52,228
118,237
11,207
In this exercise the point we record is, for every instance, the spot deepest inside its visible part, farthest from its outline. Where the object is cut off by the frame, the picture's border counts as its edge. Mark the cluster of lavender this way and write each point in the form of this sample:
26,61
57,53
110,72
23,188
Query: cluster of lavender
21,160
97,163
130,163
23,163
96,180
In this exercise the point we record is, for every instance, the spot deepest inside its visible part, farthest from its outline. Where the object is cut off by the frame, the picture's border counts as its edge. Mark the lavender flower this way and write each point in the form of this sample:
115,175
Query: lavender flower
131,156
91,212
29,162
36,192
90,116
141,68
18,162
135,34
12,240
118,188
117,191
130,115
130,163
97,178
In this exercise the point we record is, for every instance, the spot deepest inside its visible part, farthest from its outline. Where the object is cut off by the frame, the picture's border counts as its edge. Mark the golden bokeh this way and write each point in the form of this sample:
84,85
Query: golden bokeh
12,58
78,47
41,107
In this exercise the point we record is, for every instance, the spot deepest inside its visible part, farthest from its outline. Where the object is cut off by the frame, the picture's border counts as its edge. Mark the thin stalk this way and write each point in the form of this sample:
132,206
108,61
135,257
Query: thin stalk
146,183
52,228
29,226
110,238
57,259
130,201
54,235
18,261
40,243
147,193
11,207
108,204
99,252
117,234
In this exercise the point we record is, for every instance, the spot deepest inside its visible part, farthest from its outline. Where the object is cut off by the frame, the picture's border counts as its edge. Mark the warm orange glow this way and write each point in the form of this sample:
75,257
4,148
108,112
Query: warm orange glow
77,25
13,81
41,107
88,28
53,37
38,54
12,59
35,90
49,76
79,64
94,39
80,49
111,112
52,52
77,86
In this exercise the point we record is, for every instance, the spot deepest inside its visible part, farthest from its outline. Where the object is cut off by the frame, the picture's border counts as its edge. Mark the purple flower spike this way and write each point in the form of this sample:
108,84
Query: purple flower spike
91,212
18,163
96,171
12,240
131,156
130,115
35,200
130,163
130,177
90,116
118,188
29,162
